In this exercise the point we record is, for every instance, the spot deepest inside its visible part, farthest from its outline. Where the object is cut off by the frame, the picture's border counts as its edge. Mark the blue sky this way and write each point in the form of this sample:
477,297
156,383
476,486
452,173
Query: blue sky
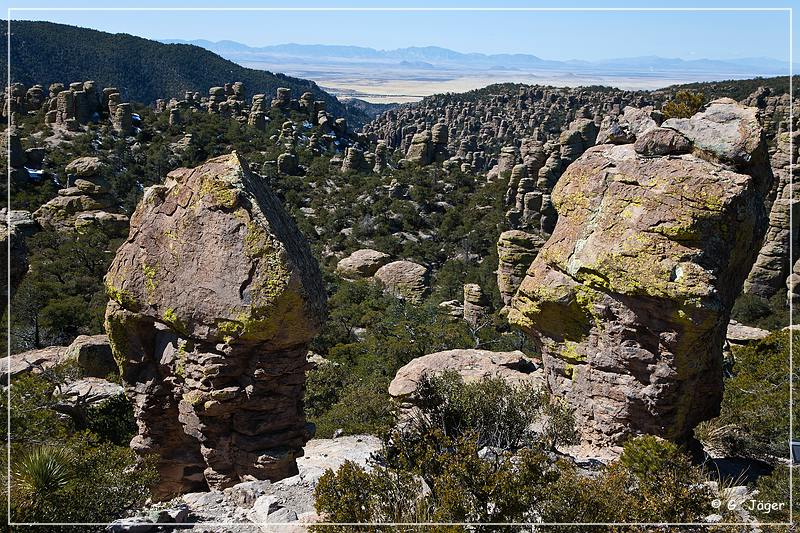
551,35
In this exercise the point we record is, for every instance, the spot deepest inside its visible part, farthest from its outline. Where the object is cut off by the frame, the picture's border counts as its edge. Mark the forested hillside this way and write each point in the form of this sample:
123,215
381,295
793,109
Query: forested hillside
143,70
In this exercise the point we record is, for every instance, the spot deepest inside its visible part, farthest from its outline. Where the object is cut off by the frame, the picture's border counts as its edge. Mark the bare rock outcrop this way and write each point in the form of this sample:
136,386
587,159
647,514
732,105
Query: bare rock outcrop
362,263
34,361
515,251
214,299
472,365
93,355
793,285
404,279
87,201
774,264
476,305
15,228
629,299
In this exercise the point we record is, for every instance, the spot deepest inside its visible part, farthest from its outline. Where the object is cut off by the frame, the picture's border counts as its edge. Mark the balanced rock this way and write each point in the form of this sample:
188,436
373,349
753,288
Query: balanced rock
404,279
362,263
214,298
629,299
662,141
85,167
476,304
85,204
421,150
730,132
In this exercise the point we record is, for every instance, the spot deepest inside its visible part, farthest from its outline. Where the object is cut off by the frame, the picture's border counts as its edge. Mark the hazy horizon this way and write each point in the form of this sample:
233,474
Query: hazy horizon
555,35
469,52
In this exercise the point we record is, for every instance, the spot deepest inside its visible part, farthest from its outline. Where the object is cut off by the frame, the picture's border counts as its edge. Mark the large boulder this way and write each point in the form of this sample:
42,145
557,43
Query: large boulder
90,391
726,130
362,263
472,365
85,167
629,299
630,125
214,298
93,355
740,334
404,279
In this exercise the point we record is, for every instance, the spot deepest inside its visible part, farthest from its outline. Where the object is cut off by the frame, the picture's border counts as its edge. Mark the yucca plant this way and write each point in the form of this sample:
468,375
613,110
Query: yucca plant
41,472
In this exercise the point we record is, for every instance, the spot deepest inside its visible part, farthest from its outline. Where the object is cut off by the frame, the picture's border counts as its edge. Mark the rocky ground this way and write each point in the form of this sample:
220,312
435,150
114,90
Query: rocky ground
288,501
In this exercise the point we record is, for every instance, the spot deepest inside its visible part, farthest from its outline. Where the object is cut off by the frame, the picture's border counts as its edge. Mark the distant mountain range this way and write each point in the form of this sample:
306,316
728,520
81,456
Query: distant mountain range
144,70
430,57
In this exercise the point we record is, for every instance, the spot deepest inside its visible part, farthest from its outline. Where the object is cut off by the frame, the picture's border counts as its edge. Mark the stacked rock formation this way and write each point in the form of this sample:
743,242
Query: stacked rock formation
80,103
283,98
774,263
214,298
527,135
17,157
15,228
480,123
381,157
86,201
629,299
476,305
515,251
18,99
354,161
420,152
258,112
439,137
122,120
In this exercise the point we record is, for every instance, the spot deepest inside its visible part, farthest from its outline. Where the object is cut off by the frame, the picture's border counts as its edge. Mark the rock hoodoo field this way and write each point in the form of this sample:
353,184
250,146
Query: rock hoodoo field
479,307
215,296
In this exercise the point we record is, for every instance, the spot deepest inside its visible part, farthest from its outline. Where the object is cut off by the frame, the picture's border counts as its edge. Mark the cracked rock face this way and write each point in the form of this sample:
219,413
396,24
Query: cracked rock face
214,299
630,297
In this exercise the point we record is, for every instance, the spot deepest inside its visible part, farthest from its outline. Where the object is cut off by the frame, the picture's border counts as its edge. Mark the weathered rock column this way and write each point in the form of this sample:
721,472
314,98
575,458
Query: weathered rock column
214,299
630,297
